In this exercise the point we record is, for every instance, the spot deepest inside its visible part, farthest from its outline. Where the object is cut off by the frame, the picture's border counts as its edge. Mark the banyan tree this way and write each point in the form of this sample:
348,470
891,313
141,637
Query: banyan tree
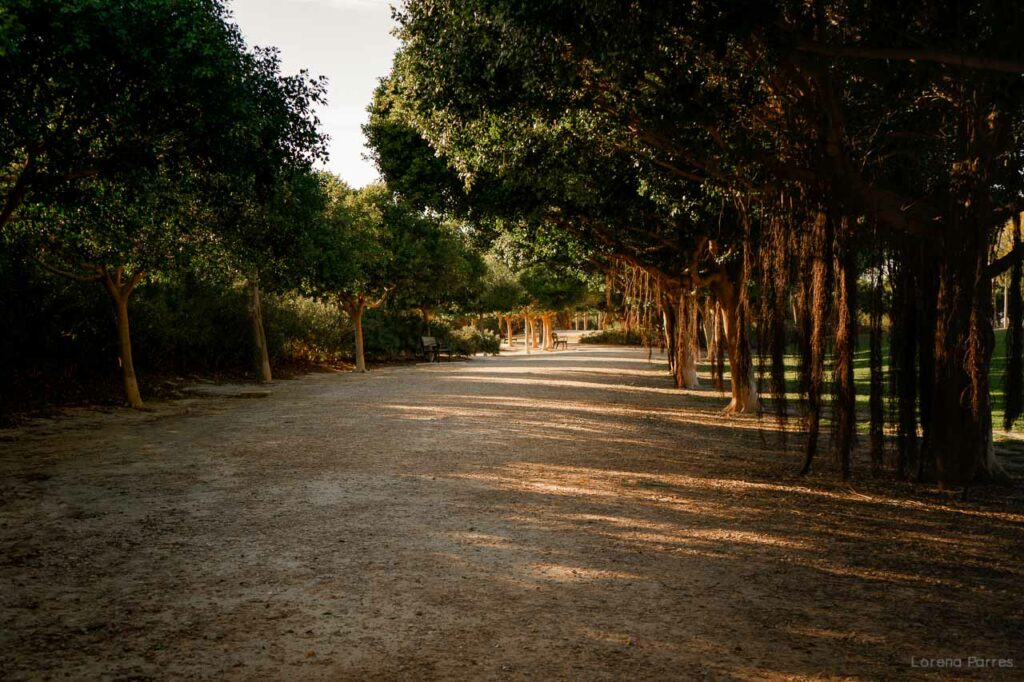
765,164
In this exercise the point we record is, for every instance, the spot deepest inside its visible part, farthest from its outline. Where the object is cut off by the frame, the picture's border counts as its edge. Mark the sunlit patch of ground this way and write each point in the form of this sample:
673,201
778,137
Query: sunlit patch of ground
565,515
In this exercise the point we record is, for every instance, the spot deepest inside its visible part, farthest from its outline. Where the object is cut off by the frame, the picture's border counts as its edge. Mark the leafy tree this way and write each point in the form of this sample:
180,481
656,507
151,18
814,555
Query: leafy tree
742,152
135,133
348,255
117,235
434,266
103,89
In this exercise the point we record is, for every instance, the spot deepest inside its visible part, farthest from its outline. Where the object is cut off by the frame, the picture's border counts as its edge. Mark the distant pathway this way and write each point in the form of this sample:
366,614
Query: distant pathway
559,516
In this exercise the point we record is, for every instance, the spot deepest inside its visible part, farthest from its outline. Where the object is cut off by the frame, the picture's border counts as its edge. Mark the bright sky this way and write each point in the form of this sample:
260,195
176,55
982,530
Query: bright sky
349,41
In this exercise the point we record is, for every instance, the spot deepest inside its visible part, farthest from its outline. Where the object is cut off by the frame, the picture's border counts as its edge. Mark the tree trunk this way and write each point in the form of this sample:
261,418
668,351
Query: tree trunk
1006,307
120,292
425,311
356,307
686,358
715,337
743,383
124,339
259,336
668,320
845,405
508,325
527,333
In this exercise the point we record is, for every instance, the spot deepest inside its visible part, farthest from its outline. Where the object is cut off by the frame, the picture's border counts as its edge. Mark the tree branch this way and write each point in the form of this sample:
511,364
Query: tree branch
1004,263
96,277
912,55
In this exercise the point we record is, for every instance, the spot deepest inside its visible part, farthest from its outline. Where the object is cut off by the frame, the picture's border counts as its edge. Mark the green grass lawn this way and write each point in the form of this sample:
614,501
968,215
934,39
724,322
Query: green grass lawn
862,380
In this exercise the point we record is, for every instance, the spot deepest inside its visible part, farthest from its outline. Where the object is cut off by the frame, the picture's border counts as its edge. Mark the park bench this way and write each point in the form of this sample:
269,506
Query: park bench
556,342
432,349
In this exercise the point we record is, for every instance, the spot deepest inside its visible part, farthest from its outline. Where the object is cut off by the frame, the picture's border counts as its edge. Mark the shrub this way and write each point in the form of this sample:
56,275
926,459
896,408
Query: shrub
470,341
615,337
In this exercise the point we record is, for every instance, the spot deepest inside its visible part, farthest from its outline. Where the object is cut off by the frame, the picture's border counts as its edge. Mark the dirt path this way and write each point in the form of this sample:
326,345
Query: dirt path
562,516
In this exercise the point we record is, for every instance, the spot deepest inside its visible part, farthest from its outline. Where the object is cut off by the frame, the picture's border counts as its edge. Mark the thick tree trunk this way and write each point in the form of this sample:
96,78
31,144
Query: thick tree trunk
960,437
508,326
814,333
259,336
527,333
744,385
686,357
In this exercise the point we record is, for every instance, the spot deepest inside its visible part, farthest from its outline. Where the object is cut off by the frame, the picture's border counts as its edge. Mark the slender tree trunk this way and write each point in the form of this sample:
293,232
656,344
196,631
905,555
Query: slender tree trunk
715,337
425,311
668,319
846,334
527,333
508,325
120,292
259,336
903,344
1006,307
357,319
124,339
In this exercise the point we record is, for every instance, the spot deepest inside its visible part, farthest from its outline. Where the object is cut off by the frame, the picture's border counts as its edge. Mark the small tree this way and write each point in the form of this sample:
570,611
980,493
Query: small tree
348,255
117,235
501,294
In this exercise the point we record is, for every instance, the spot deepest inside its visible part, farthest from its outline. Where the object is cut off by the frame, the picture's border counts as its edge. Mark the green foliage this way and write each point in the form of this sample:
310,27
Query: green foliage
614,337
61,335
108,90
501,291
469,341
551,288
394,335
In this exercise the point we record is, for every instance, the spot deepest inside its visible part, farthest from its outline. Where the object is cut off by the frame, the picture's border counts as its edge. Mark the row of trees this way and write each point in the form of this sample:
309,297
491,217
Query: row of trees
143,141
753,159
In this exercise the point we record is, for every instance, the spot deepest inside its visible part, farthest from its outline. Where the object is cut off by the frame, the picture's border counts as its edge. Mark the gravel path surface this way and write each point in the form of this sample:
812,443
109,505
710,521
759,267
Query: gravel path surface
564,515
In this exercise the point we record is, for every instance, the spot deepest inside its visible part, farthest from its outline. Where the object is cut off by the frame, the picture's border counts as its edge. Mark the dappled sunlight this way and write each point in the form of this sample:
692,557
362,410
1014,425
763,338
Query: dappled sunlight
568,383
657,373
722,519
566,574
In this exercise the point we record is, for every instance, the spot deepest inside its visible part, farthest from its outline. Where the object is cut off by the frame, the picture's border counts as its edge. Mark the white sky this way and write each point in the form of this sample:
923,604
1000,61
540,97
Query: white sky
349,41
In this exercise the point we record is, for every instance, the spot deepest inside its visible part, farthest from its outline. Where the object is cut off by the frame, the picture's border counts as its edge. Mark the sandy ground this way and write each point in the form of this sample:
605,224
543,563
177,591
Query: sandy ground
559,516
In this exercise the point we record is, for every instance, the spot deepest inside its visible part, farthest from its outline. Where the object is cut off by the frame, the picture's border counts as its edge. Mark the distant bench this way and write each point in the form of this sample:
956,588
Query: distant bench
432,349
556,342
